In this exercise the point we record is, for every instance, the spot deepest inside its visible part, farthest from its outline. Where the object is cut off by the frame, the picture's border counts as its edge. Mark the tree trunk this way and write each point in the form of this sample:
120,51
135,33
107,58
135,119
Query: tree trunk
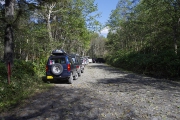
49,26
8,39
8,49
8,45
49,12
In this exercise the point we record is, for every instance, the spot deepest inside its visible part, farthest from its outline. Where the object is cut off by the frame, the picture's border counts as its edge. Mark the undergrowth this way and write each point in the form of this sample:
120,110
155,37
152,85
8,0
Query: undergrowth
24,82
164,64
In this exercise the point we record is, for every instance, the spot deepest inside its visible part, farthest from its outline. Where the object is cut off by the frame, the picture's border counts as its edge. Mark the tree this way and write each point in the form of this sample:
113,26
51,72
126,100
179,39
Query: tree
9,40
69,26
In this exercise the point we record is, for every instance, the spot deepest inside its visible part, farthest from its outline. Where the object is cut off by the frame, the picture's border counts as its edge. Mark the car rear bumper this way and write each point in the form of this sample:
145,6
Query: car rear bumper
59,77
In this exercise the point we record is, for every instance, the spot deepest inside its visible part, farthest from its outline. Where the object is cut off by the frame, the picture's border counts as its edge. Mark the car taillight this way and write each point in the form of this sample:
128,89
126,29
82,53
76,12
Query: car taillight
46,68
68,67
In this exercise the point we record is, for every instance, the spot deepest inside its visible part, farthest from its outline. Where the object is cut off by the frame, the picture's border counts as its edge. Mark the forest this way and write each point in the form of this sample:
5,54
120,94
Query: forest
143,37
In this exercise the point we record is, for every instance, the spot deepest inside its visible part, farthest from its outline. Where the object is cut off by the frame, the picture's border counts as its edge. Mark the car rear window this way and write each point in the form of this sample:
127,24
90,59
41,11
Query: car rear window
60,60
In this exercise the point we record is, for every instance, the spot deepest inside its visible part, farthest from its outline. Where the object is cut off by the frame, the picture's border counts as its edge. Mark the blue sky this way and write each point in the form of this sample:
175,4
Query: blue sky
105,7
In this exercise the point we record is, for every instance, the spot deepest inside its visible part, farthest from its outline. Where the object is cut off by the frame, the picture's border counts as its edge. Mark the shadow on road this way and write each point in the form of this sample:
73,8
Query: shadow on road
59,103
133,81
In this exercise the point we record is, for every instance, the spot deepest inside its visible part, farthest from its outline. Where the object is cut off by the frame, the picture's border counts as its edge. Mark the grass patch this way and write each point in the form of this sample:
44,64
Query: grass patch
24,83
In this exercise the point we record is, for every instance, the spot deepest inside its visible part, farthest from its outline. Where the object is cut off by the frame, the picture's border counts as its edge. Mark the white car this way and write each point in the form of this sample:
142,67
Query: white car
90,60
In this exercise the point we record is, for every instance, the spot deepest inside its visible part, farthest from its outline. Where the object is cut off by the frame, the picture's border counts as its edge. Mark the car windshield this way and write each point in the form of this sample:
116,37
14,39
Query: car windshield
60,60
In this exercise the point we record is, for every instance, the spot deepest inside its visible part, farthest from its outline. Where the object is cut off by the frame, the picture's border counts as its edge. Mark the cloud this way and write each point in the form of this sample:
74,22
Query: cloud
104,31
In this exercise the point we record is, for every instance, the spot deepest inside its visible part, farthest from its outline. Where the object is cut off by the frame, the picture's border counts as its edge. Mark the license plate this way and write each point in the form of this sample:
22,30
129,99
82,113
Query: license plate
49,77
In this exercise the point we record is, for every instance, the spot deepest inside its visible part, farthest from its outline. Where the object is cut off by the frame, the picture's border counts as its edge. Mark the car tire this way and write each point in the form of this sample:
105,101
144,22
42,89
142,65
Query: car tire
79,74
70,79
76,76
56,69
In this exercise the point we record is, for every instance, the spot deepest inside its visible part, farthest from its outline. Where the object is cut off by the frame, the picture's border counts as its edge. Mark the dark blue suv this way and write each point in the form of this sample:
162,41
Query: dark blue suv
60,66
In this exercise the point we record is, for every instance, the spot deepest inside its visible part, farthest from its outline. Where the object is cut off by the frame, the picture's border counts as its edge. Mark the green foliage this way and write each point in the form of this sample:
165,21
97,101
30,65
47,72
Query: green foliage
24,81
71,22
3,70
143,37
165,64
40,67
22,67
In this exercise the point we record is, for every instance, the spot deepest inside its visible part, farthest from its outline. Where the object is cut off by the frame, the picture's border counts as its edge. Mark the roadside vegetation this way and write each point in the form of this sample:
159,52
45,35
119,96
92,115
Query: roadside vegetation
25,81
144,37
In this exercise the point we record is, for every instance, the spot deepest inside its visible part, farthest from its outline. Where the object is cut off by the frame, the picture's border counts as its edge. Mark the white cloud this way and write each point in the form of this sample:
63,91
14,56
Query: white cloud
104,31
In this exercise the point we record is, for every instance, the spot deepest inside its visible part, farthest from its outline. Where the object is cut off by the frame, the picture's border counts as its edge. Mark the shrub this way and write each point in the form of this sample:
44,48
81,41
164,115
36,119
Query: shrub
164,64
24,81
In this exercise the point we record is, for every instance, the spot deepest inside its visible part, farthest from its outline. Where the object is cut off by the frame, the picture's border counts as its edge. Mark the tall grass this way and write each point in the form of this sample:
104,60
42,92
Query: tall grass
24,82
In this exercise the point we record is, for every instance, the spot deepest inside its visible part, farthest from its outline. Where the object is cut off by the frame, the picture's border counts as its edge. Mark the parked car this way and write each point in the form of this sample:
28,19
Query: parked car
86,60
90,60
60,66
94,60
100,60
77,60
83,60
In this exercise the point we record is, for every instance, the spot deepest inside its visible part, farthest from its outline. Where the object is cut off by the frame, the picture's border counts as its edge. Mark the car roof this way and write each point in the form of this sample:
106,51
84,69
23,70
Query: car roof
58,52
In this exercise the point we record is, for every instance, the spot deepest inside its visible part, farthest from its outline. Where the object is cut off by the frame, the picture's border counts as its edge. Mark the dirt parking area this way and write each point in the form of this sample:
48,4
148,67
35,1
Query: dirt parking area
103,93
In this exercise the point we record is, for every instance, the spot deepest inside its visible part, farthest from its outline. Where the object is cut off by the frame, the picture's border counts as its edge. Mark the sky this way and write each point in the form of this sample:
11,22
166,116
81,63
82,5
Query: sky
105,7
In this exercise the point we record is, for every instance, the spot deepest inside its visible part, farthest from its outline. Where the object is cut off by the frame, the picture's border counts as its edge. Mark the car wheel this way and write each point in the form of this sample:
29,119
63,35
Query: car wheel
70,79
56,69
79,74
76,76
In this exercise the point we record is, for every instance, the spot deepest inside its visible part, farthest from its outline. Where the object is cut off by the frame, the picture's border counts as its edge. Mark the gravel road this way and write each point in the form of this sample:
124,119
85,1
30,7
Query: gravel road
103,93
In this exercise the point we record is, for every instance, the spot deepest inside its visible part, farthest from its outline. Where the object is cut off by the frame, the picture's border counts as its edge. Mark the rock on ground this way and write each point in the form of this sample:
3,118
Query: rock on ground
103,93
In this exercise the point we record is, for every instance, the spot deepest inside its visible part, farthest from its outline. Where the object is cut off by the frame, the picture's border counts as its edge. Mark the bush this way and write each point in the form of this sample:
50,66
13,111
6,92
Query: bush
165,64
22,68
40,66
24,81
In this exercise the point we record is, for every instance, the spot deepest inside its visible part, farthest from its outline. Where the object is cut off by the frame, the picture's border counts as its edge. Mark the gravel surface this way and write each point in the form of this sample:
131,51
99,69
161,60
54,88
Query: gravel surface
103,93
